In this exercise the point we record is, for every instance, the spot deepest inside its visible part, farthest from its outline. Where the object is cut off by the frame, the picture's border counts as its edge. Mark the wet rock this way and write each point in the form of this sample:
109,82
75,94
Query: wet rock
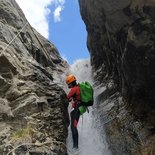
122,48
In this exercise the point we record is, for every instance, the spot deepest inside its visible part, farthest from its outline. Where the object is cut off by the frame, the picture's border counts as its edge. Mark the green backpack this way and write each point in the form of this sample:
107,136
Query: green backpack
86,92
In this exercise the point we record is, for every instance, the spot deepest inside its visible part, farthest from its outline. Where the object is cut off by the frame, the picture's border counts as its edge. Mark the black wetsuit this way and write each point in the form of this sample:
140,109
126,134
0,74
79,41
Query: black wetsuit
75,115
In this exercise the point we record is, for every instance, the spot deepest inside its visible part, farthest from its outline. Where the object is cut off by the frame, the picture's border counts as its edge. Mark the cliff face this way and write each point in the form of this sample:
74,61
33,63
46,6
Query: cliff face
121,41
32,106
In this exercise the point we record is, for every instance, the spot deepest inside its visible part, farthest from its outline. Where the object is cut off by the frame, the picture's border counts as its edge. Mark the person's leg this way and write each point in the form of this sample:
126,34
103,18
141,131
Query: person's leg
74,121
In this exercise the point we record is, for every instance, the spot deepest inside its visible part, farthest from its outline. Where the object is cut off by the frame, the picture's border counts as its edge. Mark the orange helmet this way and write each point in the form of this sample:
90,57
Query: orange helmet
70,79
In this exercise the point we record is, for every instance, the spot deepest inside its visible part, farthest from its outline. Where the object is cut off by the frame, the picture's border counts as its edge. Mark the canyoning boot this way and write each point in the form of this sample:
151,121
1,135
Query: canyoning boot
76,152
75,146
75,141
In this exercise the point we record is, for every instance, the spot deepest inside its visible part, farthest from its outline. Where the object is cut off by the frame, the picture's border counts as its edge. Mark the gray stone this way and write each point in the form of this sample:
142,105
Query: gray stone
121,42
28,65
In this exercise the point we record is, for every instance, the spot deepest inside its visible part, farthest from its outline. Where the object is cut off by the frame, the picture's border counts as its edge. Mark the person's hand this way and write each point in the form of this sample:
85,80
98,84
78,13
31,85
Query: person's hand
73,105
69,100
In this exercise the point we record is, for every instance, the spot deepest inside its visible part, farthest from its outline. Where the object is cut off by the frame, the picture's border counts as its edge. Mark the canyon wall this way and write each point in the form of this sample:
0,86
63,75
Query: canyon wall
33,113
121,42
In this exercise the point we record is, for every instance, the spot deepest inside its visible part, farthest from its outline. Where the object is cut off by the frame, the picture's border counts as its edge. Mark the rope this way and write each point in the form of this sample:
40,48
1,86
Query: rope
27,23
39,145
82,122
32,144
14,37
46,52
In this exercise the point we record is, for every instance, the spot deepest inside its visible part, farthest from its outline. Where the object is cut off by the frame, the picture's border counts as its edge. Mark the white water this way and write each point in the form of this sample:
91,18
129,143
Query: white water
91,141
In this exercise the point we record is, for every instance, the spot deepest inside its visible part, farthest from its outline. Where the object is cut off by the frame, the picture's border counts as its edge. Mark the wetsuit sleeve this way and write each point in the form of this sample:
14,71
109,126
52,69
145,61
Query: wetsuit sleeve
71,94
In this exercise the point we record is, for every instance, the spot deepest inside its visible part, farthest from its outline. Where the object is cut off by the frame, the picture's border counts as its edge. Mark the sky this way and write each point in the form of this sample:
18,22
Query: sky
61,23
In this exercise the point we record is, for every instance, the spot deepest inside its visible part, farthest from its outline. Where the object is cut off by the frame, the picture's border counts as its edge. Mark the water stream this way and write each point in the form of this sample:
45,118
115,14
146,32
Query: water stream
91,141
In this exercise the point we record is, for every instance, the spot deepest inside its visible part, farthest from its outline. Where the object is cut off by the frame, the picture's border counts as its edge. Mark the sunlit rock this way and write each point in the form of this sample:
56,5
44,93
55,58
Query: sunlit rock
32,113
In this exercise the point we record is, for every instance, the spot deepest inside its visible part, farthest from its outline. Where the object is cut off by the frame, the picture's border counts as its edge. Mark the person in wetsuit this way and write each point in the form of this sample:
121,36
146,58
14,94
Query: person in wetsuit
74,96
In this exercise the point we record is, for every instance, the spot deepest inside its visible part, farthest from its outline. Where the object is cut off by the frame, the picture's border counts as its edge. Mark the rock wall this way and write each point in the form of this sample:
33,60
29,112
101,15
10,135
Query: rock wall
33,115
121,41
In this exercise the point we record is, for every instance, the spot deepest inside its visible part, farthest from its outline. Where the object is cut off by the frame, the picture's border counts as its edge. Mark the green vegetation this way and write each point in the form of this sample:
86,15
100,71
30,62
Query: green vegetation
23,135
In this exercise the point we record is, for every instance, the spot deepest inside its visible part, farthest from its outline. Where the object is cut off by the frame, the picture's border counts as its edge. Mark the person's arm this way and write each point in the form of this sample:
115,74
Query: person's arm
71,94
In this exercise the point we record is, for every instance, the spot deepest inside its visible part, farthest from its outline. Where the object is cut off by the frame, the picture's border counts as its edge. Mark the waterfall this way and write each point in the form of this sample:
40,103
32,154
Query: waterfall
91,141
